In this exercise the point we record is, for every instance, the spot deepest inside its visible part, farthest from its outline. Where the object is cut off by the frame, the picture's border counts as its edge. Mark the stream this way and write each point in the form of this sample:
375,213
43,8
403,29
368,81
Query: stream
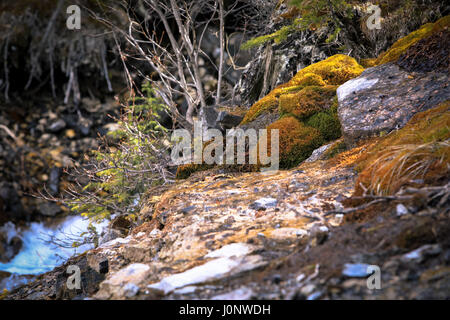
39,255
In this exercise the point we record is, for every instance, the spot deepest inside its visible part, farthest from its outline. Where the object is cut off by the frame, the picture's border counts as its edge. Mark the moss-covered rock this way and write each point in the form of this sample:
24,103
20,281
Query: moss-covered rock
307,101
297,141
334,70
325,74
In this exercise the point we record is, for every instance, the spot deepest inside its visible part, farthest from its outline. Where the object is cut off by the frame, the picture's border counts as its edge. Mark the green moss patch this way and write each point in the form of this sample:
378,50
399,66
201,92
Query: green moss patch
327,122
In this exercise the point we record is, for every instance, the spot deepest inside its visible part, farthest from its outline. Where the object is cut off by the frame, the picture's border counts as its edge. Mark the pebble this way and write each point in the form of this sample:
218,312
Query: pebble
357,270
422,252
57,126
264,203
401,210
243,293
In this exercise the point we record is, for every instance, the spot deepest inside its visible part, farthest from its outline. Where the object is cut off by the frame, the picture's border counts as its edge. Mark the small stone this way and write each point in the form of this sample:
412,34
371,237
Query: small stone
357,270
57,126
55,174
300,277
70,133
308,289
276,279
227,120
187,209
314,296
238,294
421,253
155,232
401,210
49,209
84,125
264,203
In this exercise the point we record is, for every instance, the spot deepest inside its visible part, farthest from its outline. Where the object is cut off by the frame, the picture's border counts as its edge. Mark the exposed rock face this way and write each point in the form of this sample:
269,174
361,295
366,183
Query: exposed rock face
124,282
296,249
384,98
215,236
275,64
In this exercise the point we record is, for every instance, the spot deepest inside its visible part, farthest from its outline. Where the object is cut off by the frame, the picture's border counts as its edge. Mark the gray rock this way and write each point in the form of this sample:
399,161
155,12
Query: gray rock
208,116
227,120
57,126
262,121
130,290
264,203
385,98
84,125
9,248
109,235
55,174
49,209
124,283
421,253
318,153
401,210
213,270
243,293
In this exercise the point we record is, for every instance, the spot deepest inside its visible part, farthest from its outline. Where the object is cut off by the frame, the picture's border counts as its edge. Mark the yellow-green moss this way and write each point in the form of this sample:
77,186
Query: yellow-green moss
3,294
402,45
333,71
278,37
327,122
418,151
266,104
307,101
368,63
296,141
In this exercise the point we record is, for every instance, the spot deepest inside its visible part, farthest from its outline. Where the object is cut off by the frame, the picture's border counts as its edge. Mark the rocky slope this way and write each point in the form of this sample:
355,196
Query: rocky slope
378,196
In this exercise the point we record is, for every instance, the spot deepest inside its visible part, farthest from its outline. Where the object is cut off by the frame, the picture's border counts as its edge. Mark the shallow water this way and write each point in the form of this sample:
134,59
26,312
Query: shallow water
38,255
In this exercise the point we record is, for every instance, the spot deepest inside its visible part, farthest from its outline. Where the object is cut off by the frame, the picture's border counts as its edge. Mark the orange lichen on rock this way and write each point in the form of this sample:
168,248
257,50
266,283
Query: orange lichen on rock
333,71
418,154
